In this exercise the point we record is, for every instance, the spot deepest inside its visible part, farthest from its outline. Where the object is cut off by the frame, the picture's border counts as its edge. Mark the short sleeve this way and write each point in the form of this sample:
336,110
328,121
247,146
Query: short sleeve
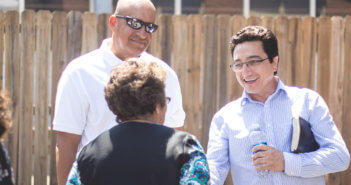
195,170
175,114
73,177
71,103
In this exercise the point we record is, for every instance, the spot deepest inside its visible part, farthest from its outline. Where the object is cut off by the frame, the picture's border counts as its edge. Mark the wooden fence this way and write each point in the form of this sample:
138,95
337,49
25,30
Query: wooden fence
36,46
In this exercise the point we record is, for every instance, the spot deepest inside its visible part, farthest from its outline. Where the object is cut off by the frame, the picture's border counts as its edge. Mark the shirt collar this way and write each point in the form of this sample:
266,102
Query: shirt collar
245,98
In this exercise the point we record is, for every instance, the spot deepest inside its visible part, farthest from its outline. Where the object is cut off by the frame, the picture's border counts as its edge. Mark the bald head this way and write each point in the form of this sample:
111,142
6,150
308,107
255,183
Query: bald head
124,6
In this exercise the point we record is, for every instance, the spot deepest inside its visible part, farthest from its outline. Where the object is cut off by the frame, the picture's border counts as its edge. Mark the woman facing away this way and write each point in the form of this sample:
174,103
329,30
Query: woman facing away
140,150
6,173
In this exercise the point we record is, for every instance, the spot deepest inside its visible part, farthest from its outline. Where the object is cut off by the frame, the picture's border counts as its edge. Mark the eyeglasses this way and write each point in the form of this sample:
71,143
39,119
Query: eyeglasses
137,23
168,99
252,64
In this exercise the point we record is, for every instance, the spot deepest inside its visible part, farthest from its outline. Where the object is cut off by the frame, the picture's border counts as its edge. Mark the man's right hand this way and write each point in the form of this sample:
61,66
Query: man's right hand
66,150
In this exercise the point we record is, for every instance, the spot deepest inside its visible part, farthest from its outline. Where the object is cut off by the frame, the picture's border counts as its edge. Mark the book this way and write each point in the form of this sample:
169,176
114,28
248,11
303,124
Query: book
302,139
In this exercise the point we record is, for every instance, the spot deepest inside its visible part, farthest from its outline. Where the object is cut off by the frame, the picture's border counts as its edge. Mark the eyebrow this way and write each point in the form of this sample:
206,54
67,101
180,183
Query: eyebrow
250,57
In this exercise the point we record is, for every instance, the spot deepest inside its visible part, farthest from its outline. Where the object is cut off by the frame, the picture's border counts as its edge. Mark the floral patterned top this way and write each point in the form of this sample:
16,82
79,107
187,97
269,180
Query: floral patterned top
193,172
6,173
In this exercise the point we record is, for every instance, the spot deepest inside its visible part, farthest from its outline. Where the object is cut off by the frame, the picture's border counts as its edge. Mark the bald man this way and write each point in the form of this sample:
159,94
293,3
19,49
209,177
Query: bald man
81,112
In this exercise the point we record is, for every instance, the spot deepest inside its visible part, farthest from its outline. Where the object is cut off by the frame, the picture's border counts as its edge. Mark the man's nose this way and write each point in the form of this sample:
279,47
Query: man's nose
142,33
246,68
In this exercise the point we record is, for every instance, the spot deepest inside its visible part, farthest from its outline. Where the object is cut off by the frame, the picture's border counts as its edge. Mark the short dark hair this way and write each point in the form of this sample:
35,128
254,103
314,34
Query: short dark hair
135,88
257,33
5,115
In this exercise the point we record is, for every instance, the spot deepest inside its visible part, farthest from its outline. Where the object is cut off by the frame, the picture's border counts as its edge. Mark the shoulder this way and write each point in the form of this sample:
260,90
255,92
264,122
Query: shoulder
84,61
304,94
160,62
230,108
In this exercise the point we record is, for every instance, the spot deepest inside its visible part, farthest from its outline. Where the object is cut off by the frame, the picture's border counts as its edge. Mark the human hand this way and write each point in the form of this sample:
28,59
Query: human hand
267,158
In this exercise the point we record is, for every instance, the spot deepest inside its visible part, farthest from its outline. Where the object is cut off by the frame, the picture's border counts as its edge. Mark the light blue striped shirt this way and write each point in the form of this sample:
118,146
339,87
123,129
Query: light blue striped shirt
229,145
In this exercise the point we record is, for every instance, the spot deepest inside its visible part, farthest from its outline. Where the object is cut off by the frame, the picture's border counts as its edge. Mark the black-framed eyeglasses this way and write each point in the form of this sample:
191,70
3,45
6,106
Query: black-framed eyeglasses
137,23
252,64
168,100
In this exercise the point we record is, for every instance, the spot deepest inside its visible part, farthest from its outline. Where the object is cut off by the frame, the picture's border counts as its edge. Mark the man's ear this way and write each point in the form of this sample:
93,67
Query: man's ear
160,113
275,63
112,22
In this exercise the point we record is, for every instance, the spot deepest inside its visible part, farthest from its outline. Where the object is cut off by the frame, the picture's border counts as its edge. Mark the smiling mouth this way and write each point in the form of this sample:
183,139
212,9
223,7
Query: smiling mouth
250,80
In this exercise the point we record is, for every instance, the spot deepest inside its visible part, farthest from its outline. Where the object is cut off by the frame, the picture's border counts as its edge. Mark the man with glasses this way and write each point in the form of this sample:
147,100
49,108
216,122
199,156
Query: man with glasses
270,105
81,112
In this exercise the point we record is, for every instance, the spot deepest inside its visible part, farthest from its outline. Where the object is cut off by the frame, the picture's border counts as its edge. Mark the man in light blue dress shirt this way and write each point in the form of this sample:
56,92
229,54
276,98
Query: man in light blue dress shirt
266,101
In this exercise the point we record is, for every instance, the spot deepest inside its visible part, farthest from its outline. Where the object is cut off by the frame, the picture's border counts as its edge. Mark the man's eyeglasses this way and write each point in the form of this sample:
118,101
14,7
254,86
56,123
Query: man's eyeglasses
252,64
168,99
137,23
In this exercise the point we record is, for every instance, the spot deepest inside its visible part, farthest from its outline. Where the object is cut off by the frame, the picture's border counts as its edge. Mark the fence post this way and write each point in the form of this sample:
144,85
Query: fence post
74,36
43,43
285,63
25,150
307,64
2,29
234,89
224,32
323,67
12,80
179,54
268,22
89,32
335,101
208,84
192,92
103,28
294,54
164,38
346,131
59,62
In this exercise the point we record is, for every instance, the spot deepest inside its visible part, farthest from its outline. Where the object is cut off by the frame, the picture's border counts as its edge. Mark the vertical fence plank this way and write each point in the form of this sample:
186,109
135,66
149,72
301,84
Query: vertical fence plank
89,35
335,101
43,42
208,73
192,91
295,40
268,22
253,21
336,70
282,33
224,31
346,131
163,46
12,79
180,56
74,36
307,66
154,45
103,27
2,21
234,89
26,95
298,65
233,86
323,68
59,62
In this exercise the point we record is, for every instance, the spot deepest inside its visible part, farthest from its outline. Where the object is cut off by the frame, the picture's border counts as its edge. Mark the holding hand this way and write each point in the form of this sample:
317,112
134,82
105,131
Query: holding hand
267,158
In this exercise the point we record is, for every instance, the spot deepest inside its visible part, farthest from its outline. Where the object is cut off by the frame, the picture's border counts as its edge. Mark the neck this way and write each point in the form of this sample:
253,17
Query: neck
117,53
264,96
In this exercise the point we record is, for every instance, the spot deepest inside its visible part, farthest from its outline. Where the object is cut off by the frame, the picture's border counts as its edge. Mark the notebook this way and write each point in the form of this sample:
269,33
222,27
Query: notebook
302,140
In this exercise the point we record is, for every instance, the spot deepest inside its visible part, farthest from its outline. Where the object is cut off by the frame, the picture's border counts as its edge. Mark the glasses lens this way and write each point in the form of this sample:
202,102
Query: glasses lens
134,23
150,28
238,66
168,99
